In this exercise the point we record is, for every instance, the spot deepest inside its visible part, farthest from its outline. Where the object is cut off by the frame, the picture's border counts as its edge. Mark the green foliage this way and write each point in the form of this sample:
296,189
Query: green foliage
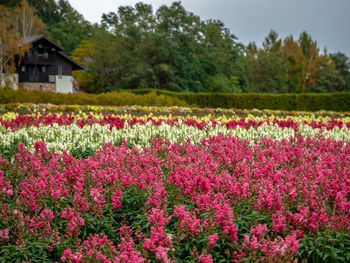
79,153
170,49
174,49
325,247
34,251
328,101
342,65
339,101
291,66
289,102
270,76
8,95
63,23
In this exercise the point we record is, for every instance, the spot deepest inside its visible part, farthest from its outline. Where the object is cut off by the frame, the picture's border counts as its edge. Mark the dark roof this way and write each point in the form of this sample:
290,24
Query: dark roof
32,39
75,65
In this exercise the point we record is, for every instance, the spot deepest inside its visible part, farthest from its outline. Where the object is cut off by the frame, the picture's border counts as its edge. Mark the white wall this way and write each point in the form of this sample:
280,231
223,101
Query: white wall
64,84
11,80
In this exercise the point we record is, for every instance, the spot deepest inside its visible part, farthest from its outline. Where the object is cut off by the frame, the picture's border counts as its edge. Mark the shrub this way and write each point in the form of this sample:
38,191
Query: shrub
113,98
151,97
302,102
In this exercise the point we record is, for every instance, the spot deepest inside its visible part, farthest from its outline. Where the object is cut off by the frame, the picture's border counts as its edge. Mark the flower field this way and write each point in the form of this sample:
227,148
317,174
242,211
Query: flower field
87,186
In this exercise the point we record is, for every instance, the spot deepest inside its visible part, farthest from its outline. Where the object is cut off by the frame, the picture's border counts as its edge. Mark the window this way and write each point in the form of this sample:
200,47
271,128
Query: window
36,71
43,69
45,55
59,71
23,68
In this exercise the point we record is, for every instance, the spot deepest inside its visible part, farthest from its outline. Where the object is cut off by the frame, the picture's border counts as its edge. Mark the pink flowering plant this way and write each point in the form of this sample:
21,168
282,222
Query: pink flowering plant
223,200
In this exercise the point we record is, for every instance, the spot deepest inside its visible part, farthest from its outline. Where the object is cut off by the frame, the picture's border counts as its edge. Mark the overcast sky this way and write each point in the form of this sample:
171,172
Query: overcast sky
328,21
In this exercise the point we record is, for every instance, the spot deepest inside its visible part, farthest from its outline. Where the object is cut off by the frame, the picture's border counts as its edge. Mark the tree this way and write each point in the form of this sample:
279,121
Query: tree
26,22
9,41
68,27
63,23
15,25
45,9
221,43
84,55
9,3
12,43
320,70
272,43
293,55
98,57
270,74
170,49
307,45
266,67
313,60
342,65
328,80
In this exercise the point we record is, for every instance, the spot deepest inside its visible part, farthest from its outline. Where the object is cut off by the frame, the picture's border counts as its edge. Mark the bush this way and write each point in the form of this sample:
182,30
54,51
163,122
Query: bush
302,102
326,101
151,97
113,98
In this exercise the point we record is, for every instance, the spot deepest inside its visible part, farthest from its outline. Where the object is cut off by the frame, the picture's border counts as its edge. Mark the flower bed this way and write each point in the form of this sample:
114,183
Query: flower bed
43,108
111,189
84,136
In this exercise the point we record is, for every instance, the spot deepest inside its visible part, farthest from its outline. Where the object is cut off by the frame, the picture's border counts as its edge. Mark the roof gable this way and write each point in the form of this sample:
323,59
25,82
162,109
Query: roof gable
36,38
75,65
33,39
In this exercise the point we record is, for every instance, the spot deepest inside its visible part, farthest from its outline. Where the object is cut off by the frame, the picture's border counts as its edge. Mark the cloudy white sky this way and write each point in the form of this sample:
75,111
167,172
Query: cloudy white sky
328,21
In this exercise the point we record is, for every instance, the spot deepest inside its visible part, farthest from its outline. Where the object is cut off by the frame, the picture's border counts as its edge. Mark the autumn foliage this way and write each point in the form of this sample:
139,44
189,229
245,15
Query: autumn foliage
16,25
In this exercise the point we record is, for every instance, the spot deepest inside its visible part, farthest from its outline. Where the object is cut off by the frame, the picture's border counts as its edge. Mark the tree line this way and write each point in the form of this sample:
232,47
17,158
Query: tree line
173,49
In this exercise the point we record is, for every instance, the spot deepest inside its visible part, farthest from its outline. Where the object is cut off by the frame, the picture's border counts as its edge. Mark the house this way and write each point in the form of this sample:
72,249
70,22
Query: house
46,67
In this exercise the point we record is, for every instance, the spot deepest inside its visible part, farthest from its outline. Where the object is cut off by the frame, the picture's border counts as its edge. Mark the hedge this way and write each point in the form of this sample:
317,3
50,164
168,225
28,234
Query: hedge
150,97
301,102
8,95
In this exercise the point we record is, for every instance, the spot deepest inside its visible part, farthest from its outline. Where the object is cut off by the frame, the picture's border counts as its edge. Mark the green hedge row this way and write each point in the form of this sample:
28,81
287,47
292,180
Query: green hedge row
288,102
8,95
302,102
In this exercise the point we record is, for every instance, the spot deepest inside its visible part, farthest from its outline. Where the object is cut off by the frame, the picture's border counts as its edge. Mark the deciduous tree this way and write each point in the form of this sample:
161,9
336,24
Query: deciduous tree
12,45
26,22
293,55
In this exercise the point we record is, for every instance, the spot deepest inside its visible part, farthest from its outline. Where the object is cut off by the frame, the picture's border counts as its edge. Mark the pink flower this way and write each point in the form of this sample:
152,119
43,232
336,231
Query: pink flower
127,250
66,254
259,230
50,248
4,235
206,258
162,254
5,185
75,221
116,196
279,222
213,239
188,220
158,238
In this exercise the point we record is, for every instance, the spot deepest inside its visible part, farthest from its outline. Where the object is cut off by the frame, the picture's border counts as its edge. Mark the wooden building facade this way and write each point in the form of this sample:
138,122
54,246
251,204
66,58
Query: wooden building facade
46,67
